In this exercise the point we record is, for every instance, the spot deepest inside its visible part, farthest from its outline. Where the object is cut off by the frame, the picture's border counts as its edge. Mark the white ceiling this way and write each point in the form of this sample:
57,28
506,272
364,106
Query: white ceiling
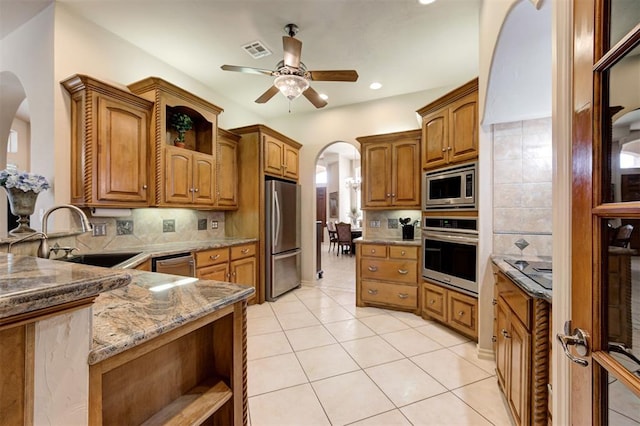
405,46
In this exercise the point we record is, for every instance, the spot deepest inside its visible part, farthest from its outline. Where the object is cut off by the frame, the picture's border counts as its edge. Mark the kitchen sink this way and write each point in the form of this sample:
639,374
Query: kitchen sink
106,260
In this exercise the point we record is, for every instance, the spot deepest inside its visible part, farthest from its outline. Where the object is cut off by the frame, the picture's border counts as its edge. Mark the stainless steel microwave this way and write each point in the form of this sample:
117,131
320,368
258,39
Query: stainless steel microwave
450,188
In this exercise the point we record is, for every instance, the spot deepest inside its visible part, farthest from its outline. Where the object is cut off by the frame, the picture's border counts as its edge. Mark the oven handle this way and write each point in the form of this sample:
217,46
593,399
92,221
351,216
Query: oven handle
462,239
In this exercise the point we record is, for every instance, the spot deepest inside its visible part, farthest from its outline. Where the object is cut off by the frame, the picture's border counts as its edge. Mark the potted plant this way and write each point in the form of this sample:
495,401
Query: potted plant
181,123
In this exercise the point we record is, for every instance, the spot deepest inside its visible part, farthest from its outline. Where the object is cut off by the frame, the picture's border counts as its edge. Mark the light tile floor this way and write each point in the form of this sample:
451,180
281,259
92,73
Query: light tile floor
316,359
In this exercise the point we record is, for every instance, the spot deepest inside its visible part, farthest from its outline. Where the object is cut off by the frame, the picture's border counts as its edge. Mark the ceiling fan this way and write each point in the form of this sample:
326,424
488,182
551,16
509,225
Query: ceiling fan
292,76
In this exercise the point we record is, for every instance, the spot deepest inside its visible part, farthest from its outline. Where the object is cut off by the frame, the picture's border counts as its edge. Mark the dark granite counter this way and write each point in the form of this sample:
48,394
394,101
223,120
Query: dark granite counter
528,285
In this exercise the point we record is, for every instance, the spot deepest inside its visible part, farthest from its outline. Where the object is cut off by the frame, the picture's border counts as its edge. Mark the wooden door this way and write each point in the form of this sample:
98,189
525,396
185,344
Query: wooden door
405,173
203,179
273,155
321,208
435,137
291,161
227,173
123,133
244,271
376,172
178,177
518,382
463,129
605,79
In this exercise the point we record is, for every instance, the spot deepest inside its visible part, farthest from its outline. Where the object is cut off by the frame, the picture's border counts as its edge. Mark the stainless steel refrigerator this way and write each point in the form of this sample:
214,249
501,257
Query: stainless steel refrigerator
282,202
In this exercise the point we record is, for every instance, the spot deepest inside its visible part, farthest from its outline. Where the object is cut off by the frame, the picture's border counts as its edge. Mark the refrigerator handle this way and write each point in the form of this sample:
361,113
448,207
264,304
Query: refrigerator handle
276,209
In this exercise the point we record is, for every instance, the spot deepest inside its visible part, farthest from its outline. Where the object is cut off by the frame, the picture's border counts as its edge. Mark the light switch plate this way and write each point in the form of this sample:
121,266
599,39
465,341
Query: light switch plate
374,224
99,229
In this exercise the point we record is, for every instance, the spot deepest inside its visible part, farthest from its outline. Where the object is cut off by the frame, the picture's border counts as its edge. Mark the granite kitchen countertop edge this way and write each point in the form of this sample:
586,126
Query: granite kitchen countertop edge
154,304
528,285
388,240
29,284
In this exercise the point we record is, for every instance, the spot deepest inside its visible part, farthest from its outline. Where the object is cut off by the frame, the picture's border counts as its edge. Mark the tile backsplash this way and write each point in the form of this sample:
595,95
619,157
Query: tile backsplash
152,226
388,223
522,191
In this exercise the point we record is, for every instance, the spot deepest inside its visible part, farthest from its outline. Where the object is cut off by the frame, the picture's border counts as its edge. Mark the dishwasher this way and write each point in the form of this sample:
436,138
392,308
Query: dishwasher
176,264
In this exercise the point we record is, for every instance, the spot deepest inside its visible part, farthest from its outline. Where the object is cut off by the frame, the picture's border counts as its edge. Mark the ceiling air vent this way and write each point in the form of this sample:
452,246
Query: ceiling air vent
256,49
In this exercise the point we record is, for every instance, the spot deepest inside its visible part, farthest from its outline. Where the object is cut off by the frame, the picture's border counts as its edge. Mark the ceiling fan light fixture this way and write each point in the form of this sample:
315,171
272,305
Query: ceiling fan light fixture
375,85
291,86
323,96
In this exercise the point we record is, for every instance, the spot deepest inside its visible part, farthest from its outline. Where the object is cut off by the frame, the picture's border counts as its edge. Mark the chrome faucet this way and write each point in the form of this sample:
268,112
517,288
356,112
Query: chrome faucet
43,250
26,237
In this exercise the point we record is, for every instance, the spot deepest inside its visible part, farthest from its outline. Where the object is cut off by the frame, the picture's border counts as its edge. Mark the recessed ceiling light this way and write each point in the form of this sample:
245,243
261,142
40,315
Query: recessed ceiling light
375,86
323,96
426,1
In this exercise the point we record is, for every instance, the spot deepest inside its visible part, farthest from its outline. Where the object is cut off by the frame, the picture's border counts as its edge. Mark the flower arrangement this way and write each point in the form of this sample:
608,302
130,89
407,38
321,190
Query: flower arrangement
181,123
23,181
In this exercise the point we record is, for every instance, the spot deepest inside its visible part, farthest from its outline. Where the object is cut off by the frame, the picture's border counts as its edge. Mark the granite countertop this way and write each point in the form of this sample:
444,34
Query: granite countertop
165,249
153,304
390,240
528,285
28,284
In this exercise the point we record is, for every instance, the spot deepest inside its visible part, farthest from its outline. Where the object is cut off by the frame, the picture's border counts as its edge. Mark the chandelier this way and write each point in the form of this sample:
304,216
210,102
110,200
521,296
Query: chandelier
353,183
291,85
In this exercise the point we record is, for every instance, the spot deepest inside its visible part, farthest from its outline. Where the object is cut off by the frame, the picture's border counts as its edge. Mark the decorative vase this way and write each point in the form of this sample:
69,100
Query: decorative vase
179,144
22,204
407,232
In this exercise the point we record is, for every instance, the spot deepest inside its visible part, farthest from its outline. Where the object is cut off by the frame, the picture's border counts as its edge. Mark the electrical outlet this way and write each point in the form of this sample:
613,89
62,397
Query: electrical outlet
214,224
99,229
374,224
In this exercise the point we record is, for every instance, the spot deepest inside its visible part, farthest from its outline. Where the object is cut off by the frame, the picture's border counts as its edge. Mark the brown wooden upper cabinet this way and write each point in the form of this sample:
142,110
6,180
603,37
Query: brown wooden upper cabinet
280,158
184,177
227,169
450,127
391,170
109,144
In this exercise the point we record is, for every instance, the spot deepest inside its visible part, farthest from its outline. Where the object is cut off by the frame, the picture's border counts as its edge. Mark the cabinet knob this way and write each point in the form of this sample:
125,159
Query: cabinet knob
403,271
373,250
196,190
190,189
505,334
461,313
402,253
372,291
449,149
144,186
432,301
493,339
444,149
388,195
393,195
234,274
403,295
228,275
372,268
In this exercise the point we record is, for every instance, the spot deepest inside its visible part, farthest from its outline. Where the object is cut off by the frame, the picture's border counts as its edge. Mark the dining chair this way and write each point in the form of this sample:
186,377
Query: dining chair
623,236
333,235
344,238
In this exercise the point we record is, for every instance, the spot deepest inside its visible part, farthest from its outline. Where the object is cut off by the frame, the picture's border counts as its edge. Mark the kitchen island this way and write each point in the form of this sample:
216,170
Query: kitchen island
151,347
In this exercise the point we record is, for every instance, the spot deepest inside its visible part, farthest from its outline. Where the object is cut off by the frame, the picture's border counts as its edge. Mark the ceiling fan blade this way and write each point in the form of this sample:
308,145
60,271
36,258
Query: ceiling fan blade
270,93
314,98
334,75
247,70
292,48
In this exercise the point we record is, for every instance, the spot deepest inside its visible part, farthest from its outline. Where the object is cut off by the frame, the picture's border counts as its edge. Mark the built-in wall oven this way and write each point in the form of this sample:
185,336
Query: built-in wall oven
450,246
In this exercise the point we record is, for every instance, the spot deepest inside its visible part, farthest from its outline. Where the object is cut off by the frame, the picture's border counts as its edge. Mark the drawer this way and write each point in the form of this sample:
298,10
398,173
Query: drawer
519,302
373,250
215,272
462,312
390,270
246,250
405,296
434,301
403,252
212,257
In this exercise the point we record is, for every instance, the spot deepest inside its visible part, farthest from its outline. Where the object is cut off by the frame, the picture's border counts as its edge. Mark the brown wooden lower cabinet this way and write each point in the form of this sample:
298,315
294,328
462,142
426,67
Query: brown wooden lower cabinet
456,310
521,336
191,375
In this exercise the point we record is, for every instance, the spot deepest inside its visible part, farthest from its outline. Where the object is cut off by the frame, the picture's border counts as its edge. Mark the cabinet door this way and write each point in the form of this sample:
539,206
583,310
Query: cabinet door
215,272
291,162
502,344
123,133
463,129
203,179
434,303
405,174
462,313
273,156
244,271
518,387
178,179
377,175
227,174
435,139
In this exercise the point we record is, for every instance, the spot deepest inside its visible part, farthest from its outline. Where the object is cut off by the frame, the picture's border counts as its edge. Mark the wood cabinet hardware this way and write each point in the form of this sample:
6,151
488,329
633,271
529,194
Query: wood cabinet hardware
505,334
372,268
214,257
403,271
245,250
403,295
372,291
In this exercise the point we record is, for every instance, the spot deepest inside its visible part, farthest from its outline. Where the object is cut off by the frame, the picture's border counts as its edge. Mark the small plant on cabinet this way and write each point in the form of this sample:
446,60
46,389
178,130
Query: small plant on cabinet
181,123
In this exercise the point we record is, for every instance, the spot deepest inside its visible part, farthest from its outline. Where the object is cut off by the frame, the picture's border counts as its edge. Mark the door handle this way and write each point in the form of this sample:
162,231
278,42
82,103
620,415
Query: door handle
577,338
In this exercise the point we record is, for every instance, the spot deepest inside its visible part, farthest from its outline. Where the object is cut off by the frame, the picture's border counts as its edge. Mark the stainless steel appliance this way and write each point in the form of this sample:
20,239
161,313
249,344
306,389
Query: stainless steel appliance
450,188
284,256
449,247
176,264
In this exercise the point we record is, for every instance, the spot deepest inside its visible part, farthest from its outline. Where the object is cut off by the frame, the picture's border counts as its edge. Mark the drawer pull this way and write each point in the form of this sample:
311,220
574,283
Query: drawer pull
214,257
432,301
505,334
245,250
403,295
372,291
403,271
372,268
461,313
373,251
